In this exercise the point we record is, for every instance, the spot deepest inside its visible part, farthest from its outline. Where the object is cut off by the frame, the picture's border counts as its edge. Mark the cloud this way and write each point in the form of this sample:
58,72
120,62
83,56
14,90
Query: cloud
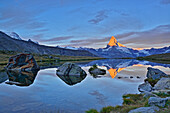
100,16
123,13
56,39
19,15
156,37
165,1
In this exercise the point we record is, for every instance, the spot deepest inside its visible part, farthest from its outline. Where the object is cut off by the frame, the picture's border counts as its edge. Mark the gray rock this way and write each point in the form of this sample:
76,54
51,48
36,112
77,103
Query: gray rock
155,73
96,71
145,87
22,62
151,109
3,77
163,83
70,69
157,101
148,94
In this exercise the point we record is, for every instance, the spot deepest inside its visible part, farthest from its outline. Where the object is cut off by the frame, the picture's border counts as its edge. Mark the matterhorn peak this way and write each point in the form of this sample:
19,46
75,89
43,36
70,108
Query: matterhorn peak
113,42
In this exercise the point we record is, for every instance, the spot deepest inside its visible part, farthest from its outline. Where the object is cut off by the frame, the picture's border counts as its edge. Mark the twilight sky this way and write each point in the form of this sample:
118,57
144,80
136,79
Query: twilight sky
88,23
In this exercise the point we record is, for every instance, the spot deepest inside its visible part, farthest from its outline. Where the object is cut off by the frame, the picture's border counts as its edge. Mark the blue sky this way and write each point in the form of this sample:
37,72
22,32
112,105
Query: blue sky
88,23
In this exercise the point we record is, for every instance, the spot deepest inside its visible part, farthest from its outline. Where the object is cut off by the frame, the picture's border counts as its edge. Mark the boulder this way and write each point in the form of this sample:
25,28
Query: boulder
71,73
23,62
145,87
148,94
151,109
157,101
96,71
155,73
145,110
21,78
3,77
163,83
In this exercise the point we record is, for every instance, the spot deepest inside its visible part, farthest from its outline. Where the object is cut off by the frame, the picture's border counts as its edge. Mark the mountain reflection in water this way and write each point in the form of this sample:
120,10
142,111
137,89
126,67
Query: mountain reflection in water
114,66
23,78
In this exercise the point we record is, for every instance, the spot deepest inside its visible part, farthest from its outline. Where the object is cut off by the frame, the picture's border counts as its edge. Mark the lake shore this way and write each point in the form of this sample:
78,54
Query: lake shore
154,96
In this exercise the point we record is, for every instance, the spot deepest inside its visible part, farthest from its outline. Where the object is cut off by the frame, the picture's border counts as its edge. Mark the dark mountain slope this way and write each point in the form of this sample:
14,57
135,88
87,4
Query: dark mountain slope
10,44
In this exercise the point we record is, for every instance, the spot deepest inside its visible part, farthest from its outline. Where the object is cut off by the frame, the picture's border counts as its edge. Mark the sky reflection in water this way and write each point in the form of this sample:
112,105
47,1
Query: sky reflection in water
50,93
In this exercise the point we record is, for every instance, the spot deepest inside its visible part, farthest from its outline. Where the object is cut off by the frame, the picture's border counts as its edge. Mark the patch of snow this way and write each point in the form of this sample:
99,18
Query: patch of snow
72,48
167,51
33,41
144,51
124,49
13,35
106,49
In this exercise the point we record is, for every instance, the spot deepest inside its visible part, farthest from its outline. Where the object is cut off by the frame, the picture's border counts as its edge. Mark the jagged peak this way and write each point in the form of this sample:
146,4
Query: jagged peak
113,42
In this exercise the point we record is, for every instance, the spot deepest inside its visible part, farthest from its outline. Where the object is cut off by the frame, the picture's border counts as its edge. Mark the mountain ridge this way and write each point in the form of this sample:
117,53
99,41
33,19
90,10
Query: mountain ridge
11,44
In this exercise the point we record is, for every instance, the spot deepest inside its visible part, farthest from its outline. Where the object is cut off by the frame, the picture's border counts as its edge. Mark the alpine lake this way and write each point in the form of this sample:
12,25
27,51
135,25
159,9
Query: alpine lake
46,92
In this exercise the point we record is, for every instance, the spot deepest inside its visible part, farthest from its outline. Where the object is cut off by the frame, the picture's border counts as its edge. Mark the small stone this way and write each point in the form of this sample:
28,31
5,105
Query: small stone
145,87
151,109
157,101
148,94
163,83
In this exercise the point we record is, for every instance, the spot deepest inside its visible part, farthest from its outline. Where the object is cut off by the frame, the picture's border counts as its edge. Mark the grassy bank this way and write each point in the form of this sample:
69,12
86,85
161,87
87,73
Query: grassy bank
158,58
46,59
130,102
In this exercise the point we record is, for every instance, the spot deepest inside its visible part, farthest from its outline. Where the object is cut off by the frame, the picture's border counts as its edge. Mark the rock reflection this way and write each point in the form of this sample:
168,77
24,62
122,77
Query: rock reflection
21,78
72,79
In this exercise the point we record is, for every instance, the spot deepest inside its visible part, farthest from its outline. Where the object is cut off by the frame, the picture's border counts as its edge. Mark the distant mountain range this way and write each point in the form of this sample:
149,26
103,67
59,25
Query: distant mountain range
114,49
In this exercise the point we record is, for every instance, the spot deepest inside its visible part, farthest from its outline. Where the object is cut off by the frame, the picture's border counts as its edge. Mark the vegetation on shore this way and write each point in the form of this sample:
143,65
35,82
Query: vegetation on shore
130,102
158,58
45,59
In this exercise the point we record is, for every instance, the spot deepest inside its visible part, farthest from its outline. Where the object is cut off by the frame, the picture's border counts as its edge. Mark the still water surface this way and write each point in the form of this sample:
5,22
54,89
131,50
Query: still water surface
46,92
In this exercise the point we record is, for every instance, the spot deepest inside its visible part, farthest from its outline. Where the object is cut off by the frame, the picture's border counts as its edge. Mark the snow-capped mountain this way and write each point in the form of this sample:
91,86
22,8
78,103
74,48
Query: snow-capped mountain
13,35
114,49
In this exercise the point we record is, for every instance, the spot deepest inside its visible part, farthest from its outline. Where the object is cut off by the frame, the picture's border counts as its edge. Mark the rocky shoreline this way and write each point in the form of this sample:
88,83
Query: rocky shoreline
154,96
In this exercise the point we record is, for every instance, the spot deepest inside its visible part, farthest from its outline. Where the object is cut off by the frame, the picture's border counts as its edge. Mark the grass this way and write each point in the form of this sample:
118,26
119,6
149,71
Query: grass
130,101
159,58
44,59
151,81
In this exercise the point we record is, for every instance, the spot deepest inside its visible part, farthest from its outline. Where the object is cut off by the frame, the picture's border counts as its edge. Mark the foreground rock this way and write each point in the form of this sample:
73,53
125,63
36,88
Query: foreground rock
23,62
3,77
152,109
145,87
96,71
21,78
148,94
155,73
71,73
163,83
157,101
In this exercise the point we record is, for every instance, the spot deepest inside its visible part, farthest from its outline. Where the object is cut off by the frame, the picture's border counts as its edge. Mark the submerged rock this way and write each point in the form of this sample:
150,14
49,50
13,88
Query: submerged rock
3,77
71,73
163,83
22,62
155,73
96,71
152,109
145,87
21,78
157,101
